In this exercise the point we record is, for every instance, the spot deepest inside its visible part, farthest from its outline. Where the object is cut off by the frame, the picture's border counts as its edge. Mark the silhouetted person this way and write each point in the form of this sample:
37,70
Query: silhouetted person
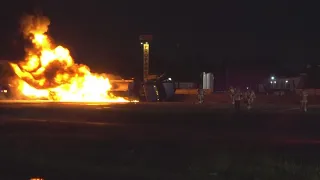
304,100
231,94
237,99
200,96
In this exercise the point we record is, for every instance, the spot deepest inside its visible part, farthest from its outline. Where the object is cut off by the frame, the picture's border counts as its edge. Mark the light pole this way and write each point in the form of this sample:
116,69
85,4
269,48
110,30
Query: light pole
144,41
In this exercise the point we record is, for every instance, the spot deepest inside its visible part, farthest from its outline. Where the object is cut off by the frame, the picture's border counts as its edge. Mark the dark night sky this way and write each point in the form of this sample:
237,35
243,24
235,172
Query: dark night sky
188,38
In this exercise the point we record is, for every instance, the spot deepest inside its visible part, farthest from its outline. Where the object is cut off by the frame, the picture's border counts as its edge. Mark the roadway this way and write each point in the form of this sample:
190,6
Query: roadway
268,120
107,138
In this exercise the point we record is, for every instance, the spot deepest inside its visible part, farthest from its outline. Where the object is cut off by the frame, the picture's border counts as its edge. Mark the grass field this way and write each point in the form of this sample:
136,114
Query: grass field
122,160
159,141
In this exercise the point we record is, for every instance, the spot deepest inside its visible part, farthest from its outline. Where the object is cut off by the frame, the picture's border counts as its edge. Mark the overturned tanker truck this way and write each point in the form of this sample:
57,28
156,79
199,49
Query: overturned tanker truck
156,89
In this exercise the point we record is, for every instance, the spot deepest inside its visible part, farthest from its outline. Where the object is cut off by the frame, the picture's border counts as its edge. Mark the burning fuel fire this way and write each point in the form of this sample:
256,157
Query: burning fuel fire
49,71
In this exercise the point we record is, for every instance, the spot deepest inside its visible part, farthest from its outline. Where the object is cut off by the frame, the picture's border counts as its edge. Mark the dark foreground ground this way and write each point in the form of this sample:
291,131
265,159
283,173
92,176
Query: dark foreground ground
158,141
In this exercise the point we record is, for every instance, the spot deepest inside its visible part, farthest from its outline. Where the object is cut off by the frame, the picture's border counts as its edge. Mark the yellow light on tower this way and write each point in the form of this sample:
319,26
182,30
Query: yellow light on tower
145,40
145,60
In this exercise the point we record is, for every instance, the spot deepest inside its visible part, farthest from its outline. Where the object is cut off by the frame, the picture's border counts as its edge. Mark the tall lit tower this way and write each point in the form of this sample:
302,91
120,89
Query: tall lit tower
145,42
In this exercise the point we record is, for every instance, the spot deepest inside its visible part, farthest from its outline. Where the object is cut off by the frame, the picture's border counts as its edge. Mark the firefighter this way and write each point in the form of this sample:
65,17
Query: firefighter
231,94
200,95
250,98
237,99
304,100
245,97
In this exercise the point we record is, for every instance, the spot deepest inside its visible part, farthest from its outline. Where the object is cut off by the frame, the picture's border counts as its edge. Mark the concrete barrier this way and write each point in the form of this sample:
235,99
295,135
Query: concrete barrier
186,91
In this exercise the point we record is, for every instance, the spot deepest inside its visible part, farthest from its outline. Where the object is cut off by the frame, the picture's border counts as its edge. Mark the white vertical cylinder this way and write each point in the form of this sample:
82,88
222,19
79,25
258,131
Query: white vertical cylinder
204,80
210,81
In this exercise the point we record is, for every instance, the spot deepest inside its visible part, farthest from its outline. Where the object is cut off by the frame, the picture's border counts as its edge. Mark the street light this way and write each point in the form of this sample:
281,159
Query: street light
272,77
286,81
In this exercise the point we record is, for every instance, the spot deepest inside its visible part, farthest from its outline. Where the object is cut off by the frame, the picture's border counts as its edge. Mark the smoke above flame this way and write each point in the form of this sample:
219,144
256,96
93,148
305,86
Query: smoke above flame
49,71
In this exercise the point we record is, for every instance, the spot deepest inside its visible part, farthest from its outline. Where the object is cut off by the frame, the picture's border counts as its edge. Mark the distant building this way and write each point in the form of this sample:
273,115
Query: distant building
282,83
312,77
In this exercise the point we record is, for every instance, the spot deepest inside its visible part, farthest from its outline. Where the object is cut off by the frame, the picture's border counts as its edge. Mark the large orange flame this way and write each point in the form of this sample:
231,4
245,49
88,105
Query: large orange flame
49,71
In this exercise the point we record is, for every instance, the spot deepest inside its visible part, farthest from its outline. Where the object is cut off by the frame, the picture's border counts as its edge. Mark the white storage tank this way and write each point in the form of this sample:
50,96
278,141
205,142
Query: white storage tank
210,81
204,80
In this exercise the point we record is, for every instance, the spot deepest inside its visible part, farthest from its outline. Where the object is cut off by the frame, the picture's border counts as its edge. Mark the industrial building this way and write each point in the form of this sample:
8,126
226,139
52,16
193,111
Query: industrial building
282,84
